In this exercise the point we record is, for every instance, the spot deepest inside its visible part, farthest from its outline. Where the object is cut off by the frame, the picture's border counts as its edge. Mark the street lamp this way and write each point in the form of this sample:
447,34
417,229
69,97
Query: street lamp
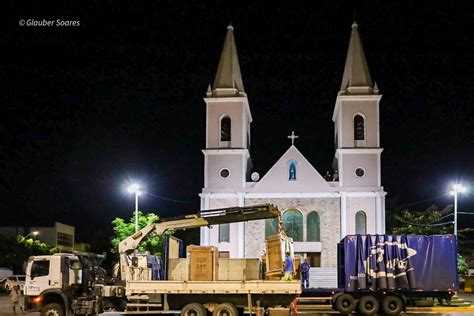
457,188
34,233
135,188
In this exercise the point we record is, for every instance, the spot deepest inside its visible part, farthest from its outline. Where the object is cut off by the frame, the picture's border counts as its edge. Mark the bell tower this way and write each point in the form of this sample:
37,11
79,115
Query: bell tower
357,141
226,157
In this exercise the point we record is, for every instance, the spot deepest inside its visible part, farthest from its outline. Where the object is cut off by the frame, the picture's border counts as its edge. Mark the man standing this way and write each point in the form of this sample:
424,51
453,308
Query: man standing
305,274
288,268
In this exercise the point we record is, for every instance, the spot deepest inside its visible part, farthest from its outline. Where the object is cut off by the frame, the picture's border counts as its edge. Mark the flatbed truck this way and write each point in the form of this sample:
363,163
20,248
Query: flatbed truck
74,284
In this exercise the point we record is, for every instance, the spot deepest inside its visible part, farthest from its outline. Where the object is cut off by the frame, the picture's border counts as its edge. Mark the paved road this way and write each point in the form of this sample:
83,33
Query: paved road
6,310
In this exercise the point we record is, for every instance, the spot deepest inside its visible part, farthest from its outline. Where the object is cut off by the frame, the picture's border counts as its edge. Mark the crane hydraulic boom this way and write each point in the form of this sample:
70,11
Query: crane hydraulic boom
201,219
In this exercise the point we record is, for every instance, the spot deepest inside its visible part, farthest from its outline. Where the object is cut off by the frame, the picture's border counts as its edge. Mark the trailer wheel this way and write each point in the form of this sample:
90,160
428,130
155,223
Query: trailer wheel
368,305
225,309
345,303
193,309
52,309
392,305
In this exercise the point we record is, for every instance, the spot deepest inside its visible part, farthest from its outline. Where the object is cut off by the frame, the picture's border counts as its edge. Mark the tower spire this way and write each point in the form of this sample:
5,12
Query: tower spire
356,78
228,80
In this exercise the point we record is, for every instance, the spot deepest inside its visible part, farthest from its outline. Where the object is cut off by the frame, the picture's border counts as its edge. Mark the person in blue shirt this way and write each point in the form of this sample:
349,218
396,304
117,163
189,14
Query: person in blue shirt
305,274
288,263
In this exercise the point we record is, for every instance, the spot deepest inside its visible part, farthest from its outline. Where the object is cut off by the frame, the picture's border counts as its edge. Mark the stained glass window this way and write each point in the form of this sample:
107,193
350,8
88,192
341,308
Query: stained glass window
224,233
313,229
292,170
361,223
271,226
293,224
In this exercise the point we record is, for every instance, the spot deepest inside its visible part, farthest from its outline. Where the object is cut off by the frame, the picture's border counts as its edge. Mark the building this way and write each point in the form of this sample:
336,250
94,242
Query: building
60,235
317,211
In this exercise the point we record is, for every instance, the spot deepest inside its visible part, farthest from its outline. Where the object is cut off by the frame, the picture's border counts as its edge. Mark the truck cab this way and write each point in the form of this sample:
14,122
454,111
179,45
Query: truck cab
51,281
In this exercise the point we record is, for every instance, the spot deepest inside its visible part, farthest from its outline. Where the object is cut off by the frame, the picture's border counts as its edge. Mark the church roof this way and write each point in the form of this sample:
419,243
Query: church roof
307,178
356,72
228,80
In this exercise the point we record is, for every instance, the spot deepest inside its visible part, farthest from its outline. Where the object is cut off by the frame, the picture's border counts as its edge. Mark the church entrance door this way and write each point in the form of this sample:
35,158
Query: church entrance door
314,259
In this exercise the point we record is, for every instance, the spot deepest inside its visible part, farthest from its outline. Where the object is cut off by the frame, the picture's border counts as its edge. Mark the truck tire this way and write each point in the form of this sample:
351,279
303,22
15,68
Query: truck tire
368,305
193,309
345,304
225,309
392,305
52,309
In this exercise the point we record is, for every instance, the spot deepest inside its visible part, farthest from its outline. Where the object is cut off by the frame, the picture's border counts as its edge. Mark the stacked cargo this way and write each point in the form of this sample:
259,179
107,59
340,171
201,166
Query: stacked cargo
203,263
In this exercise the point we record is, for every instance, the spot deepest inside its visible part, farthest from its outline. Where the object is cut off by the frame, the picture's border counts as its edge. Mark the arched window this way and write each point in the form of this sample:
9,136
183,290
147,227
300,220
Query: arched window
313,228
291,170
224,233
225,129
293,224
361,223
271,226
359,127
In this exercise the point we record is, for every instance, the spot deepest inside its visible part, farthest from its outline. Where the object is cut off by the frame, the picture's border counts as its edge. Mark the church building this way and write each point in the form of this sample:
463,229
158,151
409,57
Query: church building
317,212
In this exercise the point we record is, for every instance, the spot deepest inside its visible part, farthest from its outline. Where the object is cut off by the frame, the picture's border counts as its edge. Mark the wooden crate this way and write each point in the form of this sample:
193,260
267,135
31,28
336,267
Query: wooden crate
274,256
203,263
239,269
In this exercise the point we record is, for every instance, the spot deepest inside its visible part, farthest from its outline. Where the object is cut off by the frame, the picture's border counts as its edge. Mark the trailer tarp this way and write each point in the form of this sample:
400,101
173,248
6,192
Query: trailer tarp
394,262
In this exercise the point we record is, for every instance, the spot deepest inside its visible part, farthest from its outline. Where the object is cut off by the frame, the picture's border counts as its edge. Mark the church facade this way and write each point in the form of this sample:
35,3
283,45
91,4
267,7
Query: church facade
316,211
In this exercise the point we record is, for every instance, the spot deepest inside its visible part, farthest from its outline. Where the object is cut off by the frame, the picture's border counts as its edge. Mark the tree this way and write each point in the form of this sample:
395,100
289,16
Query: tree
16,250
428,222
122,230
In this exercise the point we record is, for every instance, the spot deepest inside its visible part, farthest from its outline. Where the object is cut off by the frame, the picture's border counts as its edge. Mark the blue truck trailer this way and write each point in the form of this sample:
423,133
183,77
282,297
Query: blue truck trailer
383,273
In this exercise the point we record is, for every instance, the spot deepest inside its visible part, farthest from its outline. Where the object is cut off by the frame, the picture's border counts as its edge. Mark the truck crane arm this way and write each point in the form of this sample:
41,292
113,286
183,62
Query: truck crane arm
202,219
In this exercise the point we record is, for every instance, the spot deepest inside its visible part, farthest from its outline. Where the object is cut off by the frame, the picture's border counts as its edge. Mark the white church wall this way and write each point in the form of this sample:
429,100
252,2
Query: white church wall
235,110
233,245
307,177
369,162
366,204
215,163
368,108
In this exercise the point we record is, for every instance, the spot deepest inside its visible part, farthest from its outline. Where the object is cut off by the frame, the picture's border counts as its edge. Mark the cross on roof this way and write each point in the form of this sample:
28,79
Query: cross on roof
293,137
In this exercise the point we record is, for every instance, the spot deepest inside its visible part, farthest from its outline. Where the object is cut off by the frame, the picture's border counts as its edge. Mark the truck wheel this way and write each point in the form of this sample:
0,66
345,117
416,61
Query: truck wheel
193,309
392,305
368,305
225,309
345,303
52,309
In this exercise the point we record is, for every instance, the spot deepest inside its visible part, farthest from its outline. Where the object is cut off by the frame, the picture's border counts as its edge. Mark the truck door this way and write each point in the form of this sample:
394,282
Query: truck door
43,275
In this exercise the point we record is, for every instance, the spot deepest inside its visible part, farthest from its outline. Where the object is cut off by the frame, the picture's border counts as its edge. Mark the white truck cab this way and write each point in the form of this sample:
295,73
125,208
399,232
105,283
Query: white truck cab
47,279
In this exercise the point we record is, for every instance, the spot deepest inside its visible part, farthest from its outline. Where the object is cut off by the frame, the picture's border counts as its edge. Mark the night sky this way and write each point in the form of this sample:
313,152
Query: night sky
85,109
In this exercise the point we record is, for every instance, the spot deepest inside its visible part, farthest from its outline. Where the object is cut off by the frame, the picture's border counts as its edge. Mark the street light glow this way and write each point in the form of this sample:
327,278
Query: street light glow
34,233
134,188
456,188
459,188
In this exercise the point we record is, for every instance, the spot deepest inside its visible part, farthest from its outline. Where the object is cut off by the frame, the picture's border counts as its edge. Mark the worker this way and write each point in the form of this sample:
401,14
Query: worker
305,274
15,298
288,265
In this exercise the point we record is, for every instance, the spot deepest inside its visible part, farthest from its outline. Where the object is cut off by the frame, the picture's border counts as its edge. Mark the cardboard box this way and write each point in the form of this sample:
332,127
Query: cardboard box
178,269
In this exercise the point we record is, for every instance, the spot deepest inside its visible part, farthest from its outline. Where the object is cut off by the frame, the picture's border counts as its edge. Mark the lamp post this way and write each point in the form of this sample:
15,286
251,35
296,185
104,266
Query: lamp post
34,233
457,188
135,188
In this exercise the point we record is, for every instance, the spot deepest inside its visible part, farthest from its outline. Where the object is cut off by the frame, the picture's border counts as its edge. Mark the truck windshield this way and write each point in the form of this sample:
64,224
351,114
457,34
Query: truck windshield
39,268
